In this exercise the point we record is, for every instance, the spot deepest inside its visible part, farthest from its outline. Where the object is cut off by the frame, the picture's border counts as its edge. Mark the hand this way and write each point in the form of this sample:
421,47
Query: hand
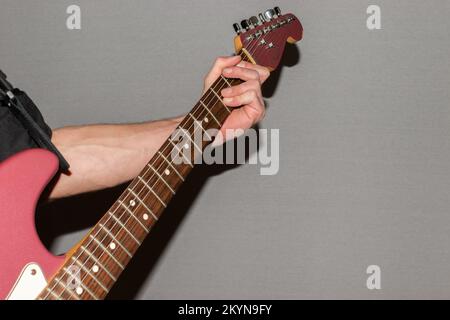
247,95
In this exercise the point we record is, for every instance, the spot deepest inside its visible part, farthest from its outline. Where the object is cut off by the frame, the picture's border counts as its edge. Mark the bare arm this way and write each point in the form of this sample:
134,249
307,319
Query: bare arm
103,156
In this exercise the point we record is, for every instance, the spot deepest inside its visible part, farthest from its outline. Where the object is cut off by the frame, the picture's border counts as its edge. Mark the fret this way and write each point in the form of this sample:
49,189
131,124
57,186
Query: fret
200,124
217,95
170,164
82,286
97,262
123,227
85,269
223,104
182,153
102,246
162,179
209,111
190,139
151,189
60,283
226,80
107,249
220,97
133,215
115,240
143,204
52,293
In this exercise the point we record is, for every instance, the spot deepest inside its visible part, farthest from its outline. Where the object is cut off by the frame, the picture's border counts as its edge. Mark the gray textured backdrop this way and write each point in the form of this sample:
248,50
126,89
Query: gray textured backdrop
364,120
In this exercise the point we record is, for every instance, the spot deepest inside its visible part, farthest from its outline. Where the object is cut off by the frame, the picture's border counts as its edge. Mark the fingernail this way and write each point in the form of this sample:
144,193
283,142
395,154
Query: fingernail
227,70
227,100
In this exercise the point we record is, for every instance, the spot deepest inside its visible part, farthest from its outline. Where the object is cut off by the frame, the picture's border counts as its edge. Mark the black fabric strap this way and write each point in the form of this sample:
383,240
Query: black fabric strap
19,103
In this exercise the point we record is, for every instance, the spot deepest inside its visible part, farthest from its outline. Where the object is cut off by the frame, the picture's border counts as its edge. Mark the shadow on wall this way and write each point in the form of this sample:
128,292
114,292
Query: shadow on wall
81,212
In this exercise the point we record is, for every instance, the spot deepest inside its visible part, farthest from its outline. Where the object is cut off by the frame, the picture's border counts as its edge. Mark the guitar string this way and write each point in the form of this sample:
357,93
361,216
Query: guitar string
93,251
138,193
162,163
264,54
147,170
195,110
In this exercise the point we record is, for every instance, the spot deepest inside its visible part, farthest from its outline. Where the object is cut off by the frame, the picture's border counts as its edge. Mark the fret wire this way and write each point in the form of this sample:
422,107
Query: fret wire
225,79
200,124
64,288
53,294
162,179
209,111
125,228
171,165
110,254
90,273
97,262
178,150
115,240
190,139
182,153
217,95
133,215
153,191
220,98
143,203
82,286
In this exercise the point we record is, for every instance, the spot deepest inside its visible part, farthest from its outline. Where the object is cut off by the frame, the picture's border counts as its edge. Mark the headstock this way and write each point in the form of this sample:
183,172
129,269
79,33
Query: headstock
264,38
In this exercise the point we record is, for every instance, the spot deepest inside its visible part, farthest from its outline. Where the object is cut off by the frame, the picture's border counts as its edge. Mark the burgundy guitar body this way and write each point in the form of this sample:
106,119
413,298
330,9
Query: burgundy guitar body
25,263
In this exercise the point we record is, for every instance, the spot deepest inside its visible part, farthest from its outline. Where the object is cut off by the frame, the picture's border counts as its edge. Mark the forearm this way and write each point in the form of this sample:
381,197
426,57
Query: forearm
103,156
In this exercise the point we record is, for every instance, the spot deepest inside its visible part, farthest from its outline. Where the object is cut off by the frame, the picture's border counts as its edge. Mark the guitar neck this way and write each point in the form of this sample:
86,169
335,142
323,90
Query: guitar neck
92,268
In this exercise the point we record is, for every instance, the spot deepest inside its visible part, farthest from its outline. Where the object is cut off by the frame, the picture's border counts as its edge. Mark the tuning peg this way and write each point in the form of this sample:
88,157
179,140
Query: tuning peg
245,25
261,18
237,28
253,21
277,11
269,14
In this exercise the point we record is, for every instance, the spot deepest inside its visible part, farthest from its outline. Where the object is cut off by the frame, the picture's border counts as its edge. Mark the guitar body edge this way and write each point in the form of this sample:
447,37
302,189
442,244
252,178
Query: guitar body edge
25,264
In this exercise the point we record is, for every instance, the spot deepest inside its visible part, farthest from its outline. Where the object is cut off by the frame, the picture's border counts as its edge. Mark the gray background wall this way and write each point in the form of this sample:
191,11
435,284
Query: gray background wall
364,124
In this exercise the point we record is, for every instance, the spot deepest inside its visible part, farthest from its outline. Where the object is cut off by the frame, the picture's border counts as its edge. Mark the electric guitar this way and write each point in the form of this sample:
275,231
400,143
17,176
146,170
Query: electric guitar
90,268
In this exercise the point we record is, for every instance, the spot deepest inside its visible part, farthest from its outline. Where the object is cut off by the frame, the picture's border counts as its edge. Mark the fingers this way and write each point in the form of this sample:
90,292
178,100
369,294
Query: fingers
264,73
247,97
240,89
220,64
241,73
239,119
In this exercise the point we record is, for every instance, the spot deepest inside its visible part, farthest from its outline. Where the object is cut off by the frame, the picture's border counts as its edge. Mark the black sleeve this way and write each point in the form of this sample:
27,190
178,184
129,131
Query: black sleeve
14,137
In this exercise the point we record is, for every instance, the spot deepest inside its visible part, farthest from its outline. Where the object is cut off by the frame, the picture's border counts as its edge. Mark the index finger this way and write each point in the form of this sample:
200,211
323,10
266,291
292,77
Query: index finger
264,73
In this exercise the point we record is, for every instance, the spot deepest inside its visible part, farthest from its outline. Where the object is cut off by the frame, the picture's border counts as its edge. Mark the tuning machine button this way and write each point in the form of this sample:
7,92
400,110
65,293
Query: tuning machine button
269,14
261,18
237,28
254,21
245,25
277,11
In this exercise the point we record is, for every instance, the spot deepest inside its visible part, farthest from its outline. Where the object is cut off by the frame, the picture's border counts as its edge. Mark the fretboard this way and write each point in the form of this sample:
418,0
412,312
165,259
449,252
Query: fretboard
93,268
